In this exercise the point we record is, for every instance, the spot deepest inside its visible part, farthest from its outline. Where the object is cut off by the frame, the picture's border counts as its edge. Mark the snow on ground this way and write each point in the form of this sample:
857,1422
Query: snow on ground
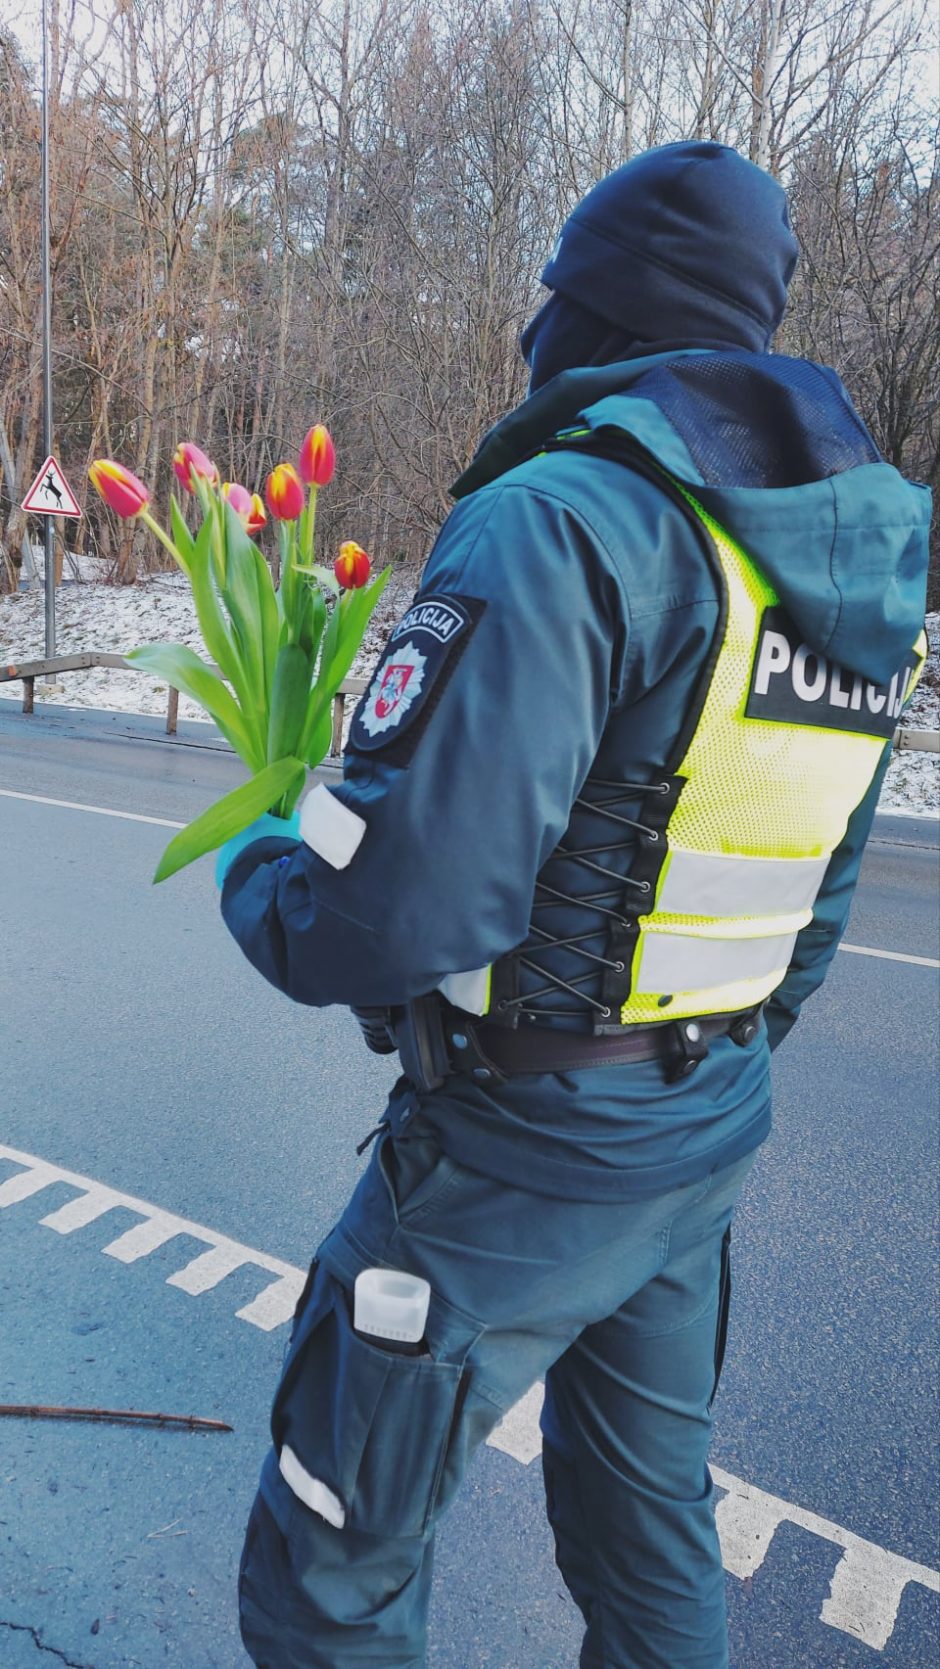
913,779
118,618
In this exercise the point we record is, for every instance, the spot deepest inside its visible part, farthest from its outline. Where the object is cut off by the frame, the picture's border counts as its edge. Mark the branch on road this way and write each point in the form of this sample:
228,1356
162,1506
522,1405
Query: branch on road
37,1411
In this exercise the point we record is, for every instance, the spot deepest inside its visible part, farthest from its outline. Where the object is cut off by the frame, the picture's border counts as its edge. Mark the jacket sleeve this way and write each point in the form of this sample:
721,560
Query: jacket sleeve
817,944
458,824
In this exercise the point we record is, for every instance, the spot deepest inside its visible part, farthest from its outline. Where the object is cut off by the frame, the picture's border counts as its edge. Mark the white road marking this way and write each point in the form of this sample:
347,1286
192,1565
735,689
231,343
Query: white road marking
868,1581
209,1268
29,1182
276,1303
165,823
518,1433
272,1306
892,955
84,1209
144,1237
99,811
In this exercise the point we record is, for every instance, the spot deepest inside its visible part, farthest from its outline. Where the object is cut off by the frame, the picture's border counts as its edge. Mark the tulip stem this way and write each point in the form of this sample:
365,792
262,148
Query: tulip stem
307,528
164,538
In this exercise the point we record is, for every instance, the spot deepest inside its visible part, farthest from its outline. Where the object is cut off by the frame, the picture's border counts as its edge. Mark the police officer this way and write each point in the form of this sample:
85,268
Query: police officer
602,813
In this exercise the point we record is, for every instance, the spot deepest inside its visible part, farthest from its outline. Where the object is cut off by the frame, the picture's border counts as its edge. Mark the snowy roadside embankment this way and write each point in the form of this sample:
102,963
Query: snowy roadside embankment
117,618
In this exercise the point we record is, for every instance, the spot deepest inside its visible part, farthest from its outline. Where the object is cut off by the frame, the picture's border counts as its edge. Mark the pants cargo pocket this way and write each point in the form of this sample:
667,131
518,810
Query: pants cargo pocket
361,1433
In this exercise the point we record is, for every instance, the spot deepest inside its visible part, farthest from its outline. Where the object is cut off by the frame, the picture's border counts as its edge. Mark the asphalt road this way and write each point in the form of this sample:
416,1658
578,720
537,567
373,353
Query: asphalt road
138,1052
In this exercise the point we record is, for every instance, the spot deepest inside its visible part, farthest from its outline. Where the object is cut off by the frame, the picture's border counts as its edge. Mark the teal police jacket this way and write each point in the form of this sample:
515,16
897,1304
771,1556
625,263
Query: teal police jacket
560,630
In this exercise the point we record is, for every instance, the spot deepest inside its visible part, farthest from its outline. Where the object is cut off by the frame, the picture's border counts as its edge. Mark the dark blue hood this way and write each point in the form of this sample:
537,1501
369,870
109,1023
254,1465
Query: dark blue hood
774,450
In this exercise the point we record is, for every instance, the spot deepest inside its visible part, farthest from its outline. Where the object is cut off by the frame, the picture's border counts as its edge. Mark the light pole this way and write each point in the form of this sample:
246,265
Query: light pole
48,524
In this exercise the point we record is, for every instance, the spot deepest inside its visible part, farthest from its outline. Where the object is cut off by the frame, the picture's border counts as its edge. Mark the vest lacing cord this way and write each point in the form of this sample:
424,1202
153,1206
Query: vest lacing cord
553,896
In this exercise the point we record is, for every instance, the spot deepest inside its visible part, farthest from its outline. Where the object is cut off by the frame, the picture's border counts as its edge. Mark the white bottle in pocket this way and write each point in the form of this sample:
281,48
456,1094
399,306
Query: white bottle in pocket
391,1308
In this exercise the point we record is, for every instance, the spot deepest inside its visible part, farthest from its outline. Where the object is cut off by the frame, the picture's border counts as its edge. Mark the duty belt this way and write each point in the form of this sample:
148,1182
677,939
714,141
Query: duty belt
435,1040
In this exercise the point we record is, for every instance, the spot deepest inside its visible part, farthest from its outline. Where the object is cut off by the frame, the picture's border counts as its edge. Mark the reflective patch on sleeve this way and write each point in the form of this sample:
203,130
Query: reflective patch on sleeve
470,991
419,659
329,828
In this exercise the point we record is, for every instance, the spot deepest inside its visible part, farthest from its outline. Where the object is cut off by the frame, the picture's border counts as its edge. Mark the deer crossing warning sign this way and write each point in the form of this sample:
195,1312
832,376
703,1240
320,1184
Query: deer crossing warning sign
50,493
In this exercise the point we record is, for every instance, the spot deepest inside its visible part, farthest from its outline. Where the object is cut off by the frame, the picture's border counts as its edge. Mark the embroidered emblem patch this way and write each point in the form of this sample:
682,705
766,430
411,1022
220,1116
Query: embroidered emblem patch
398,685
420,657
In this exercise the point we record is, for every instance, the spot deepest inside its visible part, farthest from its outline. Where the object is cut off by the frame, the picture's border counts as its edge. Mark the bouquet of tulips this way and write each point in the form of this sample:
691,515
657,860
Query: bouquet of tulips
281,652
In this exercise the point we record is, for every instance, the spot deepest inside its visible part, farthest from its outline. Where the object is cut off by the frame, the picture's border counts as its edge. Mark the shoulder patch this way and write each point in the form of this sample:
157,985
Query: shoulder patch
407,684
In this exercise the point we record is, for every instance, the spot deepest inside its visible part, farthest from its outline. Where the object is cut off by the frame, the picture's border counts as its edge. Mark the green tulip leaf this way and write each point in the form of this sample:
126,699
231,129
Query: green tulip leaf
230,815
182,538
289,693
325,576
352,616
184,669
320,741
251,601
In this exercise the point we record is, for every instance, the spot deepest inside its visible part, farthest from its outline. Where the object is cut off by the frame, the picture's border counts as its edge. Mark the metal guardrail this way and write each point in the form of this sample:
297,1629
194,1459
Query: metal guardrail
917,741
905,739
29,671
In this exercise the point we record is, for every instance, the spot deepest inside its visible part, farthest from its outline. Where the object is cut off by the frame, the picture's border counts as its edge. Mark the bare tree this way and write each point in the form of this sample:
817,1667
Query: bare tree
269,213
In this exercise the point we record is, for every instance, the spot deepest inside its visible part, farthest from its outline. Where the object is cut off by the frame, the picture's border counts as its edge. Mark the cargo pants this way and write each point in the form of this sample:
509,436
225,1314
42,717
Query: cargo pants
621,1307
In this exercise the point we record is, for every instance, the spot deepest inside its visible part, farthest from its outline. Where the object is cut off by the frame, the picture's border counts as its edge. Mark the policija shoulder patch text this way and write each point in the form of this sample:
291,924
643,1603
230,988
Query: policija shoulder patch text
419,658
794,684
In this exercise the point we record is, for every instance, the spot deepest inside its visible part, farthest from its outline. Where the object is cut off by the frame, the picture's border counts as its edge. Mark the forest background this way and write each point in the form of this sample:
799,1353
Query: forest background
270,212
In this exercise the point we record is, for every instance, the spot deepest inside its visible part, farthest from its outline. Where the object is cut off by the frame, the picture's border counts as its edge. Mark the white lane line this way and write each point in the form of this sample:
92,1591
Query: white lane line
892,955
273,1305
99,811
165,823
276,1303
868,1581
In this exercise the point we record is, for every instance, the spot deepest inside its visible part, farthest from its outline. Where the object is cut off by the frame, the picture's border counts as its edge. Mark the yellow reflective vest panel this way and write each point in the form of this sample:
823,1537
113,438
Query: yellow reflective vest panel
785,747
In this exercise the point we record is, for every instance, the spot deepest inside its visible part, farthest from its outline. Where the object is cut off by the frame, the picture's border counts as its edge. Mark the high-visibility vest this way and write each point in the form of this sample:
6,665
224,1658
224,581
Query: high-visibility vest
785,749
738,837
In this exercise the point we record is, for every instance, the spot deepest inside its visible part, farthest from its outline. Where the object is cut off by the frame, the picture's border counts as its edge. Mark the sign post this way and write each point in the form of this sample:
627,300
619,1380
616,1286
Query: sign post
48,523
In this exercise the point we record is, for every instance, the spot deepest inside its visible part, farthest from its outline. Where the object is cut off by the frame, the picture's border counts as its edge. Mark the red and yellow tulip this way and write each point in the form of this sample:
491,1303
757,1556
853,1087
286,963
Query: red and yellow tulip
352,567
123,492
258,516
317,459
284,493
191,464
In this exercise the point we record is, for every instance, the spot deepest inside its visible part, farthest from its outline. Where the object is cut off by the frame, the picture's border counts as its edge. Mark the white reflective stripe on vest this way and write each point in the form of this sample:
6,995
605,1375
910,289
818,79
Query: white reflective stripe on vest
681,962
713,884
